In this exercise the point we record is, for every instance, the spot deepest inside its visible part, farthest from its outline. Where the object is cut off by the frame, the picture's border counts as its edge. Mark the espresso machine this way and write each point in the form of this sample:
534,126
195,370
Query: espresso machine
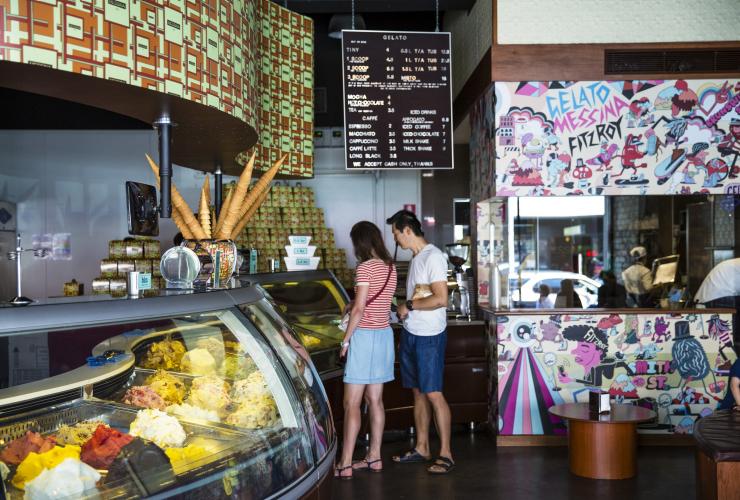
459,296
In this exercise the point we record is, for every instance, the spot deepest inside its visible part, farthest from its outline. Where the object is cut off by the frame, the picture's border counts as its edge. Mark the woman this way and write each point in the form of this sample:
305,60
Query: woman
544,302
567,297
368,345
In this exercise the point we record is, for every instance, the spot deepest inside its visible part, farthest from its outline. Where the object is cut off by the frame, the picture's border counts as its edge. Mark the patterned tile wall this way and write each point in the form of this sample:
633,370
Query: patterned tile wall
249,58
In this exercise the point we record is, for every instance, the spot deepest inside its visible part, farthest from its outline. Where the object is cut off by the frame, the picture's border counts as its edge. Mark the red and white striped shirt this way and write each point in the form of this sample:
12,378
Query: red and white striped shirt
374,272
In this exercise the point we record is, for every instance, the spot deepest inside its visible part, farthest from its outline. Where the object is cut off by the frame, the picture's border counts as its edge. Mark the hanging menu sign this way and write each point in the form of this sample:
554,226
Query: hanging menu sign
397,100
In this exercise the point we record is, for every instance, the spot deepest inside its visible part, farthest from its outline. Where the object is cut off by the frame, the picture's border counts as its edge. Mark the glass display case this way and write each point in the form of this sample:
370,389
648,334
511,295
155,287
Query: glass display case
198,395
313,303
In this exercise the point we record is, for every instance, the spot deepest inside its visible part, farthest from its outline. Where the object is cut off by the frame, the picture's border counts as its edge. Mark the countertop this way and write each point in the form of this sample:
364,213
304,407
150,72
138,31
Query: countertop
591,311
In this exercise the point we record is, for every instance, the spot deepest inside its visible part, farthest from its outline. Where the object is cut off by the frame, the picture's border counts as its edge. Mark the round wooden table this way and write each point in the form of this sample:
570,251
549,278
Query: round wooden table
602,446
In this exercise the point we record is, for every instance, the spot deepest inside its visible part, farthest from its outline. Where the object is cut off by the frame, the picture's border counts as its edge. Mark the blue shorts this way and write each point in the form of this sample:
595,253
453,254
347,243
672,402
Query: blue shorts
423,361
370,356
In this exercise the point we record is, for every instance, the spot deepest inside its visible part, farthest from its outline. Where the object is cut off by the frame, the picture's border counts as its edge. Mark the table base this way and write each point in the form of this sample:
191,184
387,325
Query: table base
601,450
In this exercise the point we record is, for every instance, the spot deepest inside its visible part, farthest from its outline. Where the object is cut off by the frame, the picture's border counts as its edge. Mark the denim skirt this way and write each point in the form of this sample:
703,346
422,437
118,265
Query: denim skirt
370,357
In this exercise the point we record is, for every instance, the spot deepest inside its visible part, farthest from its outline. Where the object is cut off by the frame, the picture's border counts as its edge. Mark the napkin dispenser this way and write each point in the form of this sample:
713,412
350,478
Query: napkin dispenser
598,402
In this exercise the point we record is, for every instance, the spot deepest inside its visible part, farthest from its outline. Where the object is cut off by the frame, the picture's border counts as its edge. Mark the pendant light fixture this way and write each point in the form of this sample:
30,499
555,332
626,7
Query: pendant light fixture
339,22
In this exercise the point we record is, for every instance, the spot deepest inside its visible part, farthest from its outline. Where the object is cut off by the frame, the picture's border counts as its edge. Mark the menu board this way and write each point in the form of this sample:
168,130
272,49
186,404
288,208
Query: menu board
397,100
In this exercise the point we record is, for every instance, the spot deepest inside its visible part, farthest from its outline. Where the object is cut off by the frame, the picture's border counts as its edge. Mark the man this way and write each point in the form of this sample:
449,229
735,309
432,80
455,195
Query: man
423,340
732,398
638,281
611,293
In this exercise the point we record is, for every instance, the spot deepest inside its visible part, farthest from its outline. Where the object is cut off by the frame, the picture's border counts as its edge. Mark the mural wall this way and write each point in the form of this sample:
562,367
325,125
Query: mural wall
675,364
482,147
249,58
616,138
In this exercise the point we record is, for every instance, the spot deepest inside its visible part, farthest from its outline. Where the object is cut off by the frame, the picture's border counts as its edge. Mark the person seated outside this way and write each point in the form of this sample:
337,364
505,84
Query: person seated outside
611,293
732,398
567,296
638,280
544,302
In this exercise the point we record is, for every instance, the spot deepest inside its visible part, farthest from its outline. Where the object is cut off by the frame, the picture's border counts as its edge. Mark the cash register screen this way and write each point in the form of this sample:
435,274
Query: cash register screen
665,273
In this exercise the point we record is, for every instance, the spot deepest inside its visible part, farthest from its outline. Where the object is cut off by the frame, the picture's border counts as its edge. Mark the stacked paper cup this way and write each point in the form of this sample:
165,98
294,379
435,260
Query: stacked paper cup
300,254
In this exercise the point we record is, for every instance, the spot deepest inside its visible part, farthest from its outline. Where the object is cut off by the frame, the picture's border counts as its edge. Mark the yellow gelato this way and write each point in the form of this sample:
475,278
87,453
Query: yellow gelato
182,458
171,388
198,362
166,354
35,463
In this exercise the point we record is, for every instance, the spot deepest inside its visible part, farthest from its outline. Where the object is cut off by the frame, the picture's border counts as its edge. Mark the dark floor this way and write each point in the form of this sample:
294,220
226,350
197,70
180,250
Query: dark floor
509,473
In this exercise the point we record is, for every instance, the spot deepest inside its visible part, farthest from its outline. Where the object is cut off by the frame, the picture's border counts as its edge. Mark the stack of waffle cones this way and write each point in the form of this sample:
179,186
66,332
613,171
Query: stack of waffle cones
237,209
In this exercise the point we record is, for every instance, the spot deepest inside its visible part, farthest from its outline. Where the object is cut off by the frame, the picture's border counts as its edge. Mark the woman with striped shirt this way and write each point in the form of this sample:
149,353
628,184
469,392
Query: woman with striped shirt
368,345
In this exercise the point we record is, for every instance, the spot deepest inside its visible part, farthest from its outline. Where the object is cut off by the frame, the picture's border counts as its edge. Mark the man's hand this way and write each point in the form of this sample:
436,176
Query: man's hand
402,311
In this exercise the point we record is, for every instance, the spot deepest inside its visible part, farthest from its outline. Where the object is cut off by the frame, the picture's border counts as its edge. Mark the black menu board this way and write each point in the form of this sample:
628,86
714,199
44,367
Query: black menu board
397,100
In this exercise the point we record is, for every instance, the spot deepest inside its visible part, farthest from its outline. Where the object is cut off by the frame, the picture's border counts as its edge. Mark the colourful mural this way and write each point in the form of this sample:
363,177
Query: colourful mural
610,137
675,364
482,147
250,58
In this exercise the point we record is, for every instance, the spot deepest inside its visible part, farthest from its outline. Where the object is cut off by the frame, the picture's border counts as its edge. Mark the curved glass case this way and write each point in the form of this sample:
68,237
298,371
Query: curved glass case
313,303
201,394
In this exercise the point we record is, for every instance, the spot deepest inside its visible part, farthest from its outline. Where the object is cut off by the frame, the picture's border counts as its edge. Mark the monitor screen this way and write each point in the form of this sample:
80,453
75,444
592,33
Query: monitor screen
665,272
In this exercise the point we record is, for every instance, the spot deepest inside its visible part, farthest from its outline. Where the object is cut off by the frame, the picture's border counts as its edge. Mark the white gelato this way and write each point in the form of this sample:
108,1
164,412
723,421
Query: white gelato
70,479
189,411
156,426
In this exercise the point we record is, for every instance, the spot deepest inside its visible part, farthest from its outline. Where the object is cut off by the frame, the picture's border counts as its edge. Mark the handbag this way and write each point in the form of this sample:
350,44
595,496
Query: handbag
345,318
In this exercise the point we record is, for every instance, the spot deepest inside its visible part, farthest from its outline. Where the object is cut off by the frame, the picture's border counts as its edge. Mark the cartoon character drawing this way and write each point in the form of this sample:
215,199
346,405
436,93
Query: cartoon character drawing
629,337
590,352
720,330
661,333
689,358
622,388
631,153
638,115
654,145
716,171
533,148
607,152
552,140
558,166
550,332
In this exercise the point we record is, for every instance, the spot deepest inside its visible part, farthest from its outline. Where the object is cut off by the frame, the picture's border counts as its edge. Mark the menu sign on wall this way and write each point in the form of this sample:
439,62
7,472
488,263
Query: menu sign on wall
397,100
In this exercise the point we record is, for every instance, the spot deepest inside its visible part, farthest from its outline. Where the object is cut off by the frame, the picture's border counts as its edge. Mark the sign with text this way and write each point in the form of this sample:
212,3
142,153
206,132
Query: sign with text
397,100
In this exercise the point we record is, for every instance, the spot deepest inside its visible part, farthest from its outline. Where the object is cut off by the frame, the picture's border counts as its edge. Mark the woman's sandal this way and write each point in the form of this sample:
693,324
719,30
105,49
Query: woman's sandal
366,464
339,472
411,457
444,463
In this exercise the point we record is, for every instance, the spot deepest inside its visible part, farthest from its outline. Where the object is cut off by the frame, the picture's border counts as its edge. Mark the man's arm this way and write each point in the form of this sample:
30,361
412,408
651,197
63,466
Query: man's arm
437,299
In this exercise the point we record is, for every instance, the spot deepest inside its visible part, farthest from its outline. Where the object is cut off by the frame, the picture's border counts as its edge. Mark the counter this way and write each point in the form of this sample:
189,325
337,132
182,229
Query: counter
225,367
674,362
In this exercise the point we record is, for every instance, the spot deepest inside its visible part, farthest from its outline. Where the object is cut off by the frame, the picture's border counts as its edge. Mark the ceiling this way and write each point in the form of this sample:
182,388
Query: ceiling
361,6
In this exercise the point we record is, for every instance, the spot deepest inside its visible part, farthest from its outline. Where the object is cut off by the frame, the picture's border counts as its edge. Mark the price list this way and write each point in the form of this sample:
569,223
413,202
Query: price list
397,100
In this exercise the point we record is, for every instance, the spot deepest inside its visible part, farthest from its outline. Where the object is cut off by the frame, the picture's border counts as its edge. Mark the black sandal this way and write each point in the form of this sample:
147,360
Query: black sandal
411,457
339,470
444,463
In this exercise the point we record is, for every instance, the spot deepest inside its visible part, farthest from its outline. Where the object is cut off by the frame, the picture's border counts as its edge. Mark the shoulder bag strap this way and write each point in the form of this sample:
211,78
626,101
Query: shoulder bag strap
387,279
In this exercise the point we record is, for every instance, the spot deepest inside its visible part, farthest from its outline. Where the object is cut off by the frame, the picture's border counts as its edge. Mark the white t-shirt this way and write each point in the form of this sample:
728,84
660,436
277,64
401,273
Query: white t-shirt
722,281
427,267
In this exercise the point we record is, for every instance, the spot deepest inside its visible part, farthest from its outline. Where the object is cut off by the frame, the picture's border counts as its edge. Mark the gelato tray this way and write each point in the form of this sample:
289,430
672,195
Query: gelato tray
207,399
131,453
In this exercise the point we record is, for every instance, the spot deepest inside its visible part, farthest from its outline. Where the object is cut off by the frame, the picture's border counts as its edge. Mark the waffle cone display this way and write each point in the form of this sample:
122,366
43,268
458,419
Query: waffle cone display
231,217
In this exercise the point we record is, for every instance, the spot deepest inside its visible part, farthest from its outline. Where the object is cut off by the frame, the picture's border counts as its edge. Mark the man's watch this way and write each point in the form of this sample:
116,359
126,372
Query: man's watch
410,305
